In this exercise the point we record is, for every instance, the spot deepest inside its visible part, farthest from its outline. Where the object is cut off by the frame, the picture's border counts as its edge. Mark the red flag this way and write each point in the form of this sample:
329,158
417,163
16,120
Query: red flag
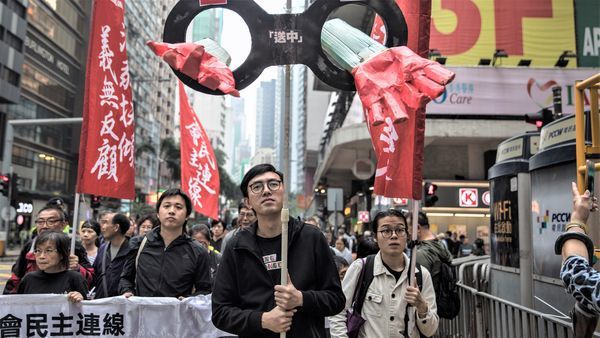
399,146
199,171
106,151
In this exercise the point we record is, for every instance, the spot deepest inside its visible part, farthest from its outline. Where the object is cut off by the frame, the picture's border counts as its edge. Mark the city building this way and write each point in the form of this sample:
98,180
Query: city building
13,27
51,64
265,115
167,107
235,134
211,109
263,155
143,23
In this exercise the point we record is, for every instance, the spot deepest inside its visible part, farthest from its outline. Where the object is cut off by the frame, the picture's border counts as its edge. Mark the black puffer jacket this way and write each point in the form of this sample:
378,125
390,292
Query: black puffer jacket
166,272
244,289
106,279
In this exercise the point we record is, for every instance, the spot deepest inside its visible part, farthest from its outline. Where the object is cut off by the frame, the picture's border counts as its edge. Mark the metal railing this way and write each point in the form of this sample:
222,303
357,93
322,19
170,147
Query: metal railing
483,315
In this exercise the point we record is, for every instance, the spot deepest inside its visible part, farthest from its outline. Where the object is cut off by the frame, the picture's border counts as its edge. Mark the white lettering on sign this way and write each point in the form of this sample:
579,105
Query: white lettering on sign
468,197
46,55
203,164
292,36
25,208
591,41
389,136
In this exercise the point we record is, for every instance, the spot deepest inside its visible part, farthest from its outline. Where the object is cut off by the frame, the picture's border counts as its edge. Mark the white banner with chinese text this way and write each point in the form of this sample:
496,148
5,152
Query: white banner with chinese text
53,315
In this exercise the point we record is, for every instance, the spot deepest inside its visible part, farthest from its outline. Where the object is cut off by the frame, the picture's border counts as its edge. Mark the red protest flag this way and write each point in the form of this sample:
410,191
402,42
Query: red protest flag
199,171
399,147
106,150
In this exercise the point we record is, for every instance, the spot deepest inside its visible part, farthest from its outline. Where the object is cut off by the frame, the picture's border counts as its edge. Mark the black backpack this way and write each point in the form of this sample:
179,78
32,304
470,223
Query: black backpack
446,291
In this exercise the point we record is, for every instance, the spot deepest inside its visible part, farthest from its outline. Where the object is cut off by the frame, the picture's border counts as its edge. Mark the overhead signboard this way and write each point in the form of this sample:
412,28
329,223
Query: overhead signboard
466,31
489,91
587,19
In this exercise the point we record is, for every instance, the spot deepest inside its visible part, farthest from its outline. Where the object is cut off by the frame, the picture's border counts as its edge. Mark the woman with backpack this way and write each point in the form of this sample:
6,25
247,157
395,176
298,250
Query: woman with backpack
380,299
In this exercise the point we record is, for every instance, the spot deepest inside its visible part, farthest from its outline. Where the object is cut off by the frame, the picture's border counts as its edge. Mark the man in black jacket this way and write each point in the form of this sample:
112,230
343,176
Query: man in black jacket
247,298
168,263
112,255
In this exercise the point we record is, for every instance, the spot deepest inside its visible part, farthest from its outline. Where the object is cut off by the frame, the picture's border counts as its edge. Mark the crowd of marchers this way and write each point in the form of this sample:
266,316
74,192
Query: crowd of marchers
339,286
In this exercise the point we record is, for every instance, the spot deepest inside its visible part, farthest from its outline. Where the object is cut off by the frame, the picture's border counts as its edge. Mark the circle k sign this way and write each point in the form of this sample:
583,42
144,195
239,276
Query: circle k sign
468,197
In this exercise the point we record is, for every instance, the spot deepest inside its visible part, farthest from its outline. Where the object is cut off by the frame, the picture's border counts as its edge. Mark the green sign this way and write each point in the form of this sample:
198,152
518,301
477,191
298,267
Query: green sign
587,21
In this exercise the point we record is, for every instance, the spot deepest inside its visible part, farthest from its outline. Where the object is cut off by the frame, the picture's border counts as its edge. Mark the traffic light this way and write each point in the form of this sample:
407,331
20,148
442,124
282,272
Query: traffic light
540,118
5,183
14,183
95,201
430,197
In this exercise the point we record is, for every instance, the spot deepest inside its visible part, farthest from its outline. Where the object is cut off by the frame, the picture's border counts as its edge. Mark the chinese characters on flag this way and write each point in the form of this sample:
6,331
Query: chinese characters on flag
399,146
199,171
106,152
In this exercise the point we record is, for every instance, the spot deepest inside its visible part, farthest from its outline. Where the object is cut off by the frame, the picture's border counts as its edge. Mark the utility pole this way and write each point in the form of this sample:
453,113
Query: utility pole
7,160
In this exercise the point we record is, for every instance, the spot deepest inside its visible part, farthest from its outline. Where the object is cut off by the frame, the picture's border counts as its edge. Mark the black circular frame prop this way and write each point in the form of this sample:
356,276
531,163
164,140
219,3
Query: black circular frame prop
299,44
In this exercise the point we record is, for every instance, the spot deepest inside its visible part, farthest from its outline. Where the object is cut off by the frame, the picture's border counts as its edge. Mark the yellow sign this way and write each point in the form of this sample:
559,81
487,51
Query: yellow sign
466,31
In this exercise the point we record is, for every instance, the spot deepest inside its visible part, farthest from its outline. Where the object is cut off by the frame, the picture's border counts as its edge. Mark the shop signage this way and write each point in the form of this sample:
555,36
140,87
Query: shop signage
587,20
468,197
41,52
504,223
507,91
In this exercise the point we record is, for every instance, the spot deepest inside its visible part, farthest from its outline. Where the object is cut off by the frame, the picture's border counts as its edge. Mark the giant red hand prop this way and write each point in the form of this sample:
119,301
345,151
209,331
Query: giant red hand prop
397,80
192,60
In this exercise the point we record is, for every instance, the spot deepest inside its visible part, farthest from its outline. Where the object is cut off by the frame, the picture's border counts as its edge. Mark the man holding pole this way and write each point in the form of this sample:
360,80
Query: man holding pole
248,299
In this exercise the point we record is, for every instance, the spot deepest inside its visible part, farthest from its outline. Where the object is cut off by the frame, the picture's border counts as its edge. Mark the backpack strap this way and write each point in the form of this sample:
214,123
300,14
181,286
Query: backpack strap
419,276
104,287
368,268
358,283
137,257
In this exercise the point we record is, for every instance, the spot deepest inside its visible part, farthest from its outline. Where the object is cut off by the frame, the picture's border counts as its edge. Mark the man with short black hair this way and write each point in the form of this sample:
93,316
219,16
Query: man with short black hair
112,255
247,299
246,216
49,218
167,262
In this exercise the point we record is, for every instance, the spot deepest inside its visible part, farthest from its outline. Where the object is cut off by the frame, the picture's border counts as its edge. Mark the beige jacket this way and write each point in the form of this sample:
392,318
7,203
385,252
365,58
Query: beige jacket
384,305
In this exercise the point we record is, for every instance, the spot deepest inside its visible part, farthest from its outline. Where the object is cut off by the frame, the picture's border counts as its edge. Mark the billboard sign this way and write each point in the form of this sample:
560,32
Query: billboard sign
587,20
492,91
466,31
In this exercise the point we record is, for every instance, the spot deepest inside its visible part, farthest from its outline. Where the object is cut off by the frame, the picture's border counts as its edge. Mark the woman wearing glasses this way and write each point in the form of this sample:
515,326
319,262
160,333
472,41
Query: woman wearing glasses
51,250
50,218
389,296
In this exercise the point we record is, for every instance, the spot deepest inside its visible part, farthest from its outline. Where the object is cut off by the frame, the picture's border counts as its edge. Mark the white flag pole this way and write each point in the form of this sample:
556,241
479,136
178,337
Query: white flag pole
415,225
75,223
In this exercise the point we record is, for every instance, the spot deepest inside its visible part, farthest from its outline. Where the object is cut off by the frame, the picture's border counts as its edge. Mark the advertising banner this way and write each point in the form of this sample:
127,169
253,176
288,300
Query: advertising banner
466,31
587,20
550,212
504,222
507,91
52,315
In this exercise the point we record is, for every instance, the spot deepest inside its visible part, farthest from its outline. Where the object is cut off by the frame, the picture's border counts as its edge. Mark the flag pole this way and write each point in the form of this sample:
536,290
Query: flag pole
75,222
285,212
413,253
